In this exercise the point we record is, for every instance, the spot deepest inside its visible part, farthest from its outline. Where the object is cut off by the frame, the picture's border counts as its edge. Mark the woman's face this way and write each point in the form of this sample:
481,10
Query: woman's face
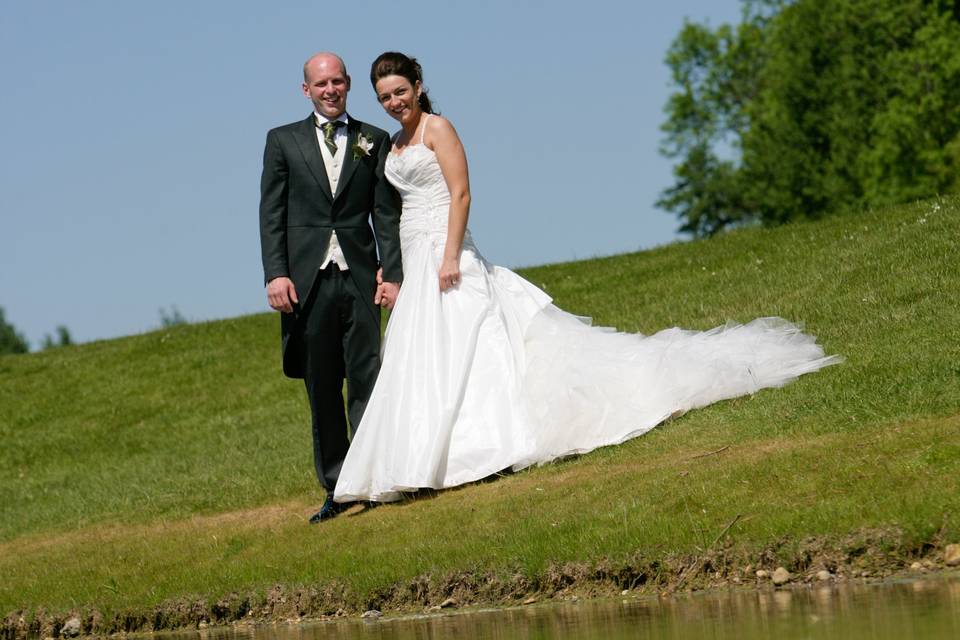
399,98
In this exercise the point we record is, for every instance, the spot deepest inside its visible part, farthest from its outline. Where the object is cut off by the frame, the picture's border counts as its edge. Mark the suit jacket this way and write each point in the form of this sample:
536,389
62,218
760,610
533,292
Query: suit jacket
298,212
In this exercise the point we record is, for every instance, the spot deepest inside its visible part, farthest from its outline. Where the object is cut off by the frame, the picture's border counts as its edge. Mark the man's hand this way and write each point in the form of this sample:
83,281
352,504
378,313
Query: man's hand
386,295
281,294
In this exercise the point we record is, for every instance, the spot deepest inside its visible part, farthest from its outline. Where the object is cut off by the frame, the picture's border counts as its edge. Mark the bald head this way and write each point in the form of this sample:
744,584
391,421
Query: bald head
326,83
324,59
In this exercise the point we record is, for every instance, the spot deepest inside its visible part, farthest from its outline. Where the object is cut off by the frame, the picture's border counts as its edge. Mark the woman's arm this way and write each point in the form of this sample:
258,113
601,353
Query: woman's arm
443,139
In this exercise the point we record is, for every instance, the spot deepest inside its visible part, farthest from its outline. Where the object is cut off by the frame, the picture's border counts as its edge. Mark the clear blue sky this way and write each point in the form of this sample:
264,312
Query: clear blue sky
132,135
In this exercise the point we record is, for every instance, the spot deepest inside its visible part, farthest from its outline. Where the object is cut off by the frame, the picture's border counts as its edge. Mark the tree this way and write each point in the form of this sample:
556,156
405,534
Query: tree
11,340
823,106
717,74
171,318
63,339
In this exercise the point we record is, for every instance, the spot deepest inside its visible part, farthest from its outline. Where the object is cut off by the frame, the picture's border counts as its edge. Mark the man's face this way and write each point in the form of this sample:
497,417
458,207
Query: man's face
326,85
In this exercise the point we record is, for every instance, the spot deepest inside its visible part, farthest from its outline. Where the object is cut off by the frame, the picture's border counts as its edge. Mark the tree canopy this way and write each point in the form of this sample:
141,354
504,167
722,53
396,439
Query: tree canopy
11,340
812,107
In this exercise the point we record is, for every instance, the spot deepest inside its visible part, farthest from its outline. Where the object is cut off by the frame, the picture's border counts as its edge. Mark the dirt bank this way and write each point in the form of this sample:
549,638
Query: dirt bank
868,555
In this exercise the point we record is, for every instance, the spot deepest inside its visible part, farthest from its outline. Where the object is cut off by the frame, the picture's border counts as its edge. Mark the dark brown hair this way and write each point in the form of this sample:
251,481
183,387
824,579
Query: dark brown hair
393,63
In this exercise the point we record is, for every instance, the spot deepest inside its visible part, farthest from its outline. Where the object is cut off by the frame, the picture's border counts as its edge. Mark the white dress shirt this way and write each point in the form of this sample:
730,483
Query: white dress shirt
333,164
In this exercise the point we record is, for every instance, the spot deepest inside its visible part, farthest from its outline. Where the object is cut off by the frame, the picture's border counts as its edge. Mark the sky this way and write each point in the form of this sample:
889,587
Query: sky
133,136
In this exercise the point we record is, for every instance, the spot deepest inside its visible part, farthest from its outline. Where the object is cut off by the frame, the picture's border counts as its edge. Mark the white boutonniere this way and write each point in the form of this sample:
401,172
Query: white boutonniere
362,146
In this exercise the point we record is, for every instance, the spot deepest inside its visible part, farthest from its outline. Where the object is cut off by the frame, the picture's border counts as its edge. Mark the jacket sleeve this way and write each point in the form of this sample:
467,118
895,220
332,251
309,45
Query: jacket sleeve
386,218
273,210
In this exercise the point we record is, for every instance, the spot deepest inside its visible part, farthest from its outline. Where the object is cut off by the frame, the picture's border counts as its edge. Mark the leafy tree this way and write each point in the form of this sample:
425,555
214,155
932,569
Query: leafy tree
63,339
716,72
11,340
821,106
171,318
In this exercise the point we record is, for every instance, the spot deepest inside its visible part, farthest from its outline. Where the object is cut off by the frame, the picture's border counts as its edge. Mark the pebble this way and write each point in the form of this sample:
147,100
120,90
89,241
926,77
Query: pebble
372,614
916,566
71,628
823,575
762,574
781,576
951,555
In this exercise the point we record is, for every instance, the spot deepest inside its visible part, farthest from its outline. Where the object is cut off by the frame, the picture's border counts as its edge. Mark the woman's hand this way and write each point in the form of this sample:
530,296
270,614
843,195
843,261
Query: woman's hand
449,273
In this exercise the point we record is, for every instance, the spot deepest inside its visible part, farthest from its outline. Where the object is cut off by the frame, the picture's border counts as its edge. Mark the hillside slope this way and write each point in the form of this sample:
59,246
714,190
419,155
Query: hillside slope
177,463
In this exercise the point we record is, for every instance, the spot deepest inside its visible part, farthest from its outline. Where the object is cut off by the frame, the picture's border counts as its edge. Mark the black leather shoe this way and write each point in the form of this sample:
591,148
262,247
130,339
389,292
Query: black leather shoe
330,509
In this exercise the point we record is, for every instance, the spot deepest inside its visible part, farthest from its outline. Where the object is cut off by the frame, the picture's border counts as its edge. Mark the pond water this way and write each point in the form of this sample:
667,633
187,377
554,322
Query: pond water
928,609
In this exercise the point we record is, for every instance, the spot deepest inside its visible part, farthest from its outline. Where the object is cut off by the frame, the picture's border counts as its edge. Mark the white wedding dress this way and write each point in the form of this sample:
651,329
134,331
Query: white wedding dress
490,375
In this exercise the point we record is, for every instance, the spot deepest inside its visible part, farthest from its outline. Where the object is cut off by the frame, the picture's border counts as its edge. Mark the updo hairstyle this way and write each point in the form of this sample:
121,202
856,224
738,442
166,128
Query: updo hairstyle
393,63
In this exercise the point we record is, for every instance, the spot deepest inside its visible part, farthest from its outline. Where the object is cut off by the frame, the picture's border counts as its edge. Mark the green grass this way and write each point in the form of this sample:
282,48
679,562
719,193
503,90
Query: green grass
178,462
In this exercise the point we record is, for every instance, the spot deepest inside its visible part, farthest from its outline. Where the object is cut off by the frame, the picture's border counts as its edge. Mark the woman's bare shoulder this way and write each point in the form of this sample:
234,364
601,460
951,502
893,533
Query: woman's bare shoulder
439,130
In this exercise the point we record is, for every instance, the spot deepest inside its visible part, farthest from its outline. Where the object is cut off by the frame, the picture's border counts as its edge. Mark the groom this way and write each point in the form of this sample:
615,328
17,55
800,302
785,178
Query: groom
322,181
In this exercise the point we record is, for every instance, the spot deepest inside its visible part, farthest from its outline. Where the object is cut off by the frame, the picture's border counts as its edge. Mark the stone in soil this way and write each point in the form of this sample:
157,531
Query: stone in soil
781,576
71,628
762,574
951,555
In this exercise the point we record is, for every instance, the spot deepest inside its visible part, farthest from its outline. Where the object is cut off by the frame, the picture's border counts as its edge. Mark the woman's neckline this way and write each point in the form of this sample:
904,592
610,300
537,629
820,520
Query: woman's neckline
422,125
401,152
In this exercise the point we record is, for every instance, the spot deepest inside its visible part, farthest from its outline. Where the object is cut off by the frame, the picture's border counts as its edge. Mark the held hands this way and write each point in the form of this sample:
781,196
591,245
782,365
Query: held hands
449,273
386,295
281,294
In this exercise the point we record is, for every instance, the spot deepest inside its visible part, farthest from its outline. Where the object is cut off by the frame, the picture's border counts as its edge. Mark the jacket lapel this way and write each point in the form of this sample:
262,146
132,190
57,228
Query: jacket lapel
310,149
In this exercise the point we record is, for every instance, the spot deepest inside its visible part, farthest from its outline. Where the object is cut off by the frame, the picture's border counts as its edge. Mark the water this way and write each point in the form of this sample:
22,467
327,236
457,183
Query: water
928,609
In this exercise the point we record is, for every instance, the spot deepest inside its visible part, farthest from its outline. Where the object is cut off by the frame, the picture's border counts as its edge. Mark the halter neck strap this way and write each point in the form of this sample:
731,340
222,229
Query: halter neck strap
424,129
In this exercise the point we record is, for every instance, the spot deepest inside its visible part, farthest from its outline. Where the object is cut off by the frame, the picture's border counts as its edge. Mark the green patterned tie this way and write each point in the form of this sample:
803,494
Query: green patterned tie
329,130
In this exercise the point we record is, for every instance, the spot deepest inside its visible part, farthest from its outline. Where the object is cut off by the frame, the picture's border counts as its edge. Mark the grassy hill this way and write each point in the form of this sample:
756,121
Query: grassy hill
176,465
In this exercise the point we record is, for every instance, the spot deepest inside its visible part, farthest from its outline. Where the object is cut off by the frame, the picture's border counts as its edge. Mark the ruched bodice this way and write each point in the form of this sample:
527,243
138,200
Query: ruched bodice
416,175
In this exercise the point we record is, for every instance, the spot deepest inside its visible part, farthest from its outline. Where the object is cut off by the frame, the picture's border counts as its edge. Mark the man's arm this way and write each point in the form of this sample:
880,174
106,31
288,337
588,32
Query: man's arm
281,293
386,219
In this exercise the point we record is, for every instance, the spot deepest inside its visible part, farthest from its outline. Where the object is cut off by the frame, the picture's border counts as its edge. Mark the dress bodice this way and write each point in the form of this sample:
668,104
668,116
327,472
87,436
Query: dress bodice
415,173
417,177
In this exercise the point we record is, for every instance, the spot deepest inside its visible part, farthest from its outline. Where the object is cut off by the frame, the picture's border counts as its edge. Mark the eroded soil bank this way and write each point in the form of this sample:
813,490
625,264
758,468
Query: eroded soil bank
868,555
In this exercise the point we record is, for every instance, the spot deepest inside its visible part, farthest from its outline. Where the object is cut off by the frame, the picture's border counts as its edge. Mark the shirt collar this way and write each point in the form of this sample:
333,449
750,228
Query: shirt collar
323,119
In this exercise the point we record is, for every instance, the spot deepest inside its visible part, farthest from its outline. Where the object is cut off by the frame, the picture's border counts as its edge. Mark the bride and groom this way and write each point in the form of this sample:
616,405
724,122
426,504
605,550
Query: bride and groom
480,371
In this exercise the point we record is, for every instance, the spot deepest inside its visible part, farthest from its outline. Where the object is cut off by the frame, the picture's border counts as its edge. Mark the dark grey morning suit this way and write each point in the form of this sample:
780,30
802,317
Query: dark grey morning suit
334,333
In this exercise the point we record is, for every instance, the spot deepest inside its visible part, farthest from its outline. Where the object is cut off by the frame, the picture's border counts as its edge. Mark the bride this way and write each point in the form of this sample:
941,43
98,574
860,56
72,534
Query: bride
482,373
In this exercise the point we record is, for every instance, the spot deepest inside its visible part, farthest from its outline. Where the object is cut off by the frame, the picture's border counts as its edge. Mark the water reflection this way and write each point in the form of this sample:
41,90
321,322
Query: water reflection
919,609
